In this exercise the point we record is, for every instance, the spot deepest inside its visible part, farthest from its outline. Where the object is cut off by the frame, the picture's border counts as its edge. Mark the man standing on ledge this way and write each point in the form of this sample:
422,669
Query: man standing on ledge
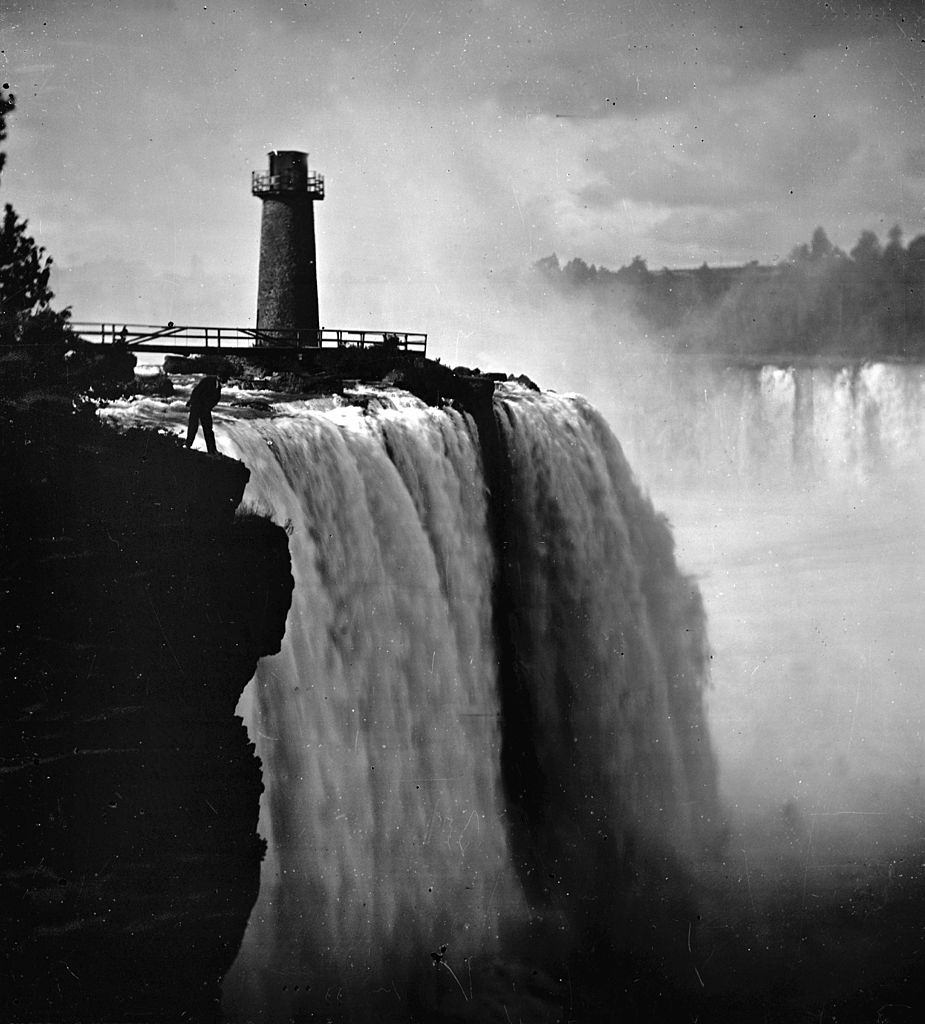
201,402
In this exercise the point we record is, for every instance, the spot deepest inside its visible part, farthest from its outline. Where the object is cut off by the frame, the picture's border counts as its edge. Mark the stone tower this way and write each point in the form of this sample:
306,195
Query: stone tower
287,292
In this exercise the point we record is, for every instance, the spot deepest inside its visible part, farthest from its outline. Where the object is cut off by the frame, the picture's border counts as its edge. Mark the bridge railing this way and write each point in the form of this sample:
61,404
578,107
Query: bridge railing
177,338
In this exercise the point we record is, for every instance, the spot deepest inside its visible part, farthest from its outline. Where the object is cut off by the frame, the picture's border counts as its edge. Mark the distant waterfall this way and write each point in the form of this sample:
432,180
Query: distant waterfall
693,421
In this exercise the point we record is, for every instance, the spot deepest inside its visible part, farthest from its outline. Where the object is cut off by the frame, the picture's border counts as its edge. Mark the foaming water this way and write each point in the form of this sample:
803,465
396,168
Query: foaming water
687,423
377,724
535,655
488,705
615,643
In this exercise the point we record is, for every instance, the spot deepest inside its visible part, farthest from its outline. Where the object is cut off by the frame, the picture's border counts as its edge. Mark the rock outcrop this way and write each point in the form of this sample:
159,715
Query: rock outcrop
134,607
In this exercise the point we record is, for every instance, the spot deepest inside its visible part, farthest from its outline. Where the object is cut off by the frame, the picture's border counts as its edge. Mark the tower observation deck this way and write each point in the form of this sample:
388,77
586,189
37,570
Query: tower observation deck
287,290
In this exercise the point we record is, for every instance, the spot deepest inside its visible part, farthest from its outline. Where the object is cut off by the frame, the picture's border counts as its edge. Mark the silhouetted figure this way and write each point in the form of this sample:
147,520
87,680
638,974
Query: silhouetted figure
123,337
201,402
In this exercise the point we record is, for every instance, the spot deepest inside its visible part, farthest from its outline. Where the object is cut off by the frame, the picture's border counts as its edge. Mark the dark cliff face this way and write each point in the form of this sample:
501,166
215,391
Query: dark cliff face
133,610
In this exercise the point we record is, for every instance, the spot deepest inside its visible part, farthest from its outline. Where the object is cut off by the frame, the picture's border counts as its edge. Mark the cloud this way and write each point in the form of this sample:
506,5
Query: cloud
749,144
592,57
721,130
914,163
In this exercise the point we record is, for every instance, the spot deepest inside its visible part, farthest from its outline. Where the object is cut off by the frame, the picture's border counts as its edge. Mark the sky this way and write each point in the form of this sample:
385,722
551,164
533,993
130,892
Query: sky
460,142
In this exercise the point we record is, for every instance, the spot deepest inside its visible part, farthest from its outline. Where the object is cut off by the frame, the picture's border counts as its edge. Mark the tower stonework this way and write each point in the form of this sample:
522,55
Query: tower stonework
287,291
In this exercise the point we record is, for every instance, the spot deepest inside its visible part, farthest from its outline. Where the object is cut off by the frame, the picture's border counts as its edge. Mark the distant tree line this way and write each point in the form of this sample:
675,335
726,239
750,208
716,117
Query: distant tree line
820,300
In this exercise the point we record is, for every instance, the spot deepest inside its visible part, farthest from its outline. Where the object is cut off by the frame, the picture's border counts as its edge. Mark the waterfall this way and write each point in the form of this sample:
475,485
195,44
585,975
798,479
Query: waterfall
688,422
610,657
377,724
484,742
488,698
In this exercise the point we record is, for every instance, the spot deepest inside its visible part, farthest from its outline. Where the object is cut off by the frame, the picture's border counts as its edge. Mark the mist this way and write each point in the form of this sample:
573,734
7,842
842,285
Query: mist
801,522
802,526
794,493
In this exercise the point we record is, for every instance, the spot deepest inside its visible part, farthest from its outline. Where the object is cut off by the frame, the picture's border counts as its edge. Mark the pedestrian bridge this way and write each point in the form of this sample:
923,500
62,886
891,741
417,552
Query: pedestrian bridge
186,340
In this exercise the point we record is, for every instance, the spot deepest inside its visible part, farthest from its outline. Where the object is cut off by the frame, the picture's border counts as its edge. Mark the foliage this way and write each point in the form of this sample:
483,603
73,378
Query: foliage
24,269
819,300
26,317
7,106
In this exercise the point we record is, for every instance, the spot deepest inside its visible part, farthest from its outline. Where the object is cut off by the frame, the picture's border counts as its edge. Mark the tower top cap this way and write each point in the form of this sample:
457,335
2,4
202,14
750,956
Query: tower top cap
289,169
288,174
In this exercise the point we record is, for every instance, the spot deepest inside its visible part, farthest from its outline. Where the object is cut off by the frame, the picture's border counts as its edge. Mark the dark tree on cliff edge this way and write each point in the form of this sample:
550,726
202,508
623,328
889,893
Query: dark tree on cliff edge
26,316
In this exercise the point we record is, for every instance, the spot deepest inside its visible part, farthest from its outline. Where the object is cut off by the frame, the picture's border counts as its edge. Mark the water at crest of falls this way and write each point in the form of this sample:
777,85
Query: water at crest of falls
379,724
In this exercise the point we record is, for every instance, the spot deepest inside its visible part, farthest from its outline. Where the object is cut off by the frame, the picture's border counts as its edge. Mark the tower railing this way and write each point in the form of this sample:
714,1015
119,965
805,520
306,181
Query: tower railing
263,184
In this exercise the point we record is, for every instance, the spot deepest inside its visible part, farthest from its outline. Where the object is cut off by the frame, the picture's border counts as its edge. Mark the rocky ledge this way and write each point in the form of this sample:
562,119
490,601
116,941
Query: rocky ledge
134,606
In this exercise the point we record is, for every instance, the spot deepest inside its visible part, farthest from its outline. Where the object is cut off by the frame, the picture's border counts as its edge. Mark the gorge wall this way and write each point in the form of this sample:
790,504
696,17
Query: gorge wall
134,608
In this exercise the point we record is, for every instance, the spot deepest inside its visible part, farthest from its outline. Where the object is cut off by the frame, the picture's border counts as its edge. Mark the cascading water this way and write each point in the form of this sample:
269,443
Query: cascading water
377,724
610,657
692,422
488,704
